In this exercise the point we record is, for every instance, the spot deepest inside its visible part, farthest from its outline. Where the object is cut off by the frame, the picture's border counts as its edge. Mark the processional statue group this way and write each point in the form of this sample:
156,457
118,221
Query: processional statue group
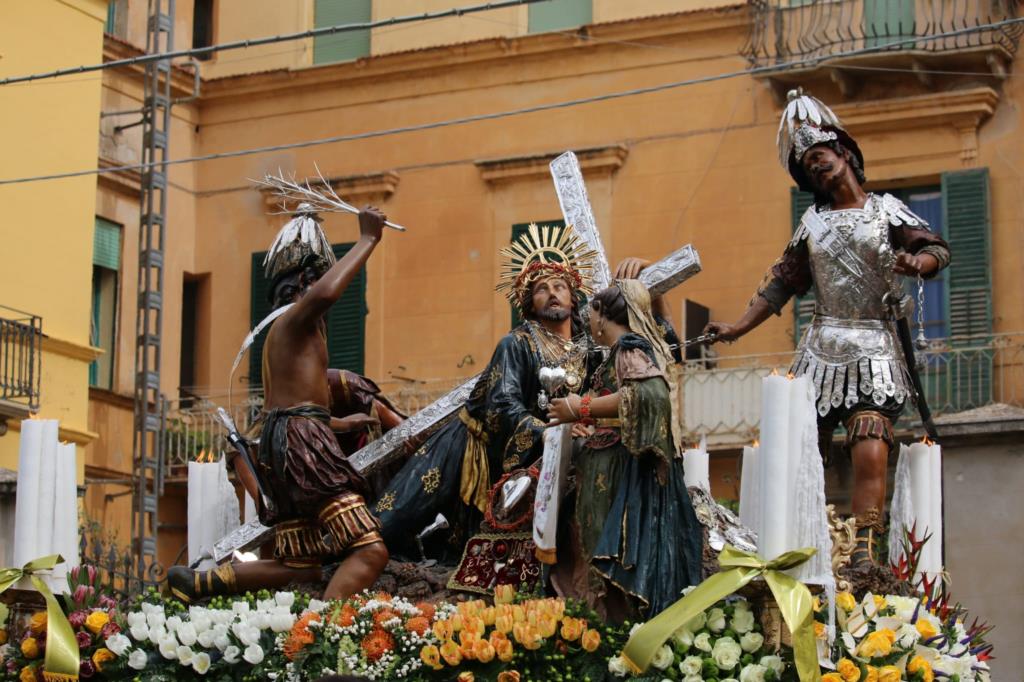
590,373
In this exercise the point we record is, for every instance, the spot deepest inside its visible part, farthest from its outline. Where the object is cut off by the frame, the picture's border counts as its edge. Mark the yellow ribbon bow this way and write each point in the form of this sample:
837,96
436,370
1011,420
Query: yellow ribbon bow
738,569
62,657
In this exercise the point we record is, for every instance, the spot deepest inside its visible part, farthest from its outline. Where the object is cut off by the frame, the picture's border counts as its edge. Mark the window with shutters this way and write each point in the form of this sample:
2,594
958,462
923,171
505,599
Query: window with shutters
556,15
518,230
346,321
202,26
106,270
345,46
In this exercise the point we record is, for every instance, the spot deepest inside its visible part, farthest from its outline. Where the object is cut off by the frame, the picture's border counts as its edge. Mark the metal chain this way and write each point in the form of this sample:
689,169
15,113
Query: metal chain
922,341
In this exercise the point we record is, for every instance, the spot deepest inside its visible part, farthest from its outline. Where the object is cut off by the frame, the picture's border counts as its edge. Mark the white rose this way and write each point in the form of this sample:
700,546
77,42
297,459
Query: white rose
118,644
617,666
696,623
140,633
187,634
753,673
751,642
703,641
137,659
716,620
663,658
742,621
726,653
773,663
683,637
173,623
136,618
201,663
185,655
284,598
231,654
169,647
222,642
691,665
253,654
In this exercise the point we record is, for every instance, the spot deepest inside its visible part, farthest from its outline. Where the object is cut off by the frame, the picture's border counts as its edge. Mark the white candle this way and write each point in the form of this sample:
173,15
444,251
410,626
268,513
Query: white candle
935,506
696,467
65,517
26,505
774,456
195,472
750,505
920,498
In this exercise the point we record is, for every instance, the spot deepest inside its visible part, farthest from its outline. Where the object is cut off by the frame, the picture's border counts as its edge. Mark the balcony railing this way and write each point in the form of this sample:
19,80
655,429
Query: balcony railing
788,30
21,353
724,403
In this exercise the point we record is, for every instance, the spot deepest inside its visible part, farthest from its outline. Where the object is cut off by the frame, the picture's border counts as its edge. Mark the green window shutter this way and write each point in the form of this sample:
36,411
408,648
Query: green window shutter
259,308
106,245
111,17
555,15
518,230
346,321
965,204
803,306
888,21
346,46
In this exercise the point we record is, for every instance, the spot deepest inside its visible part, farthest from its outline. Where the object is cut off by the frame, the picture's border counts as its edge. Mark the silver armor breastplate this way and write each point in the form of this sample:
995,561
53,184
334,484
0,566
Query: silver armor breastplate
850,350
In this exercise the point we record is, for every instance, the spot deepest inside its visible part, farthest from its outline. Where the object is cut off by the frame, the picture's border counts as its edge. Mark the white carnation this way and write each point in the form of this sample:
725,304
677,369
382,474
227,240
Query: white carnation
907,635
663,658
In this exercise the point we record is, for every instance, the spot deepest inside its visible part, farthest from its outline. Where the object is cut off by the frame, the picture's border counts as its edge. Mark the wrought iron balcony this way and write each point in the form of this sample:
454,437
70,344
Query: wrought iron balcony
921,35
21,353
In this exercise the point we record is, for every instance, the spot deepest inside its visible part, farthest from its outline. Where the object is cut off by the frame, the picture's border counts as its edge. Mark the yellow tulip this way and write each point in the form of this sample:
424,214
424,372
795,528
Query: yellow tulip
547,626
483,651
504,594
30,647
442,630
572,628
457,622
467,640
503,624
489,615
431,656
845,601
918,664
590,640
502,647
451,653
889,673
848,670
518,614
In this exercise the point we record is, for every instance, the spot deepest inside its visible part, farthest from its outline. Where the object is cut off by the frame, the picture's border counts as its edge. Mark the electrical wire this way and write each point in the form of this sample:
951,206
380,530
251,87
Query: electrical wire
776,68
284,37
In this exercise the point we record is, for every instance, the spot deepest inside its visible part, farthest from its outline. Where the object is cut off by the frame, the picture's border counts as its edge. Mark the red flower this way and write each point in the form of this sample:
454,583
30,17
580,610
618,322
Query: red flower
110,629
77,619
376,644
84,639
87,669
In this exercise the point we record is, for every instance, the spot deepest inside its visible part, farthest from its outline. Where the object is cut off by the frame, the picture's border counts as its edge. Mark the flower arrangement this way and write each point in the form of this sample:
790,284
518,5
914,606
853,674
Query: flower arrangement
723,643
917,639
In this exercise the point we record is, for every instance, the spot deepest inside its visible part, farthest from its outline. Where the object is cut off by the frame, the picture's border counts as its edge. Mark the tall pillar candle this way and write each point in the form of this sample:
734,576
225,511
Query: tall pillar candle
65,518
195,516
750,505
935,506
26,505
773,456
695,467
920,498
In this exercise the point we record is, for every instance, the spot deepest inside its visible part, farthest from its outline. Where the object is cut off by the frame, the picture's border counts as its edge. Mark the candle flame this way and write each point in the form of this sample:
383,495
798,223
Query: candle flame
756,443
33,416
775,372
790,375
927,441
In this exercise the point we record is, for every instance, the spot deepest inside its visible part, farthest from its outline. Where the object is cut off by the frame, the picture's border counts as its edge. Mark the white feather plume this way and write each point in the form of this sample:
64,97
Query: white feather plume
801,109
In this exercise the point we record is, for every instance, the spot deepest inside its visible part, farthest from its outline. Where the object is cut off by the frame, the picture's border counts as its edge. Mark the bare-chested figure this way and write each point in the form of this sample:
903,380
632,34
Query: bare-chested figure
317,498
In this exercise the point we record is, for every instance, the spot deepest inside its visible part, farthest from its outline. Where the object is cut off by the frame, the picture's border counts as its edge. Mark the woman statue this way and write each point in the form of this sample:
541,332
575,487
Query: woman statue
635,524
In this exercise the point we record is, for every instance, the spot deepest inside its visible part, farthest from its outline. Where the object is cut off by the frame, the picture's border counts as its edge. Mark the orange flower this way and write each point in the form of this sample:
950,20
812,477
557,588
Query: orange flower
502,646
528,636
508,676
431,656
300,636
451,653
443,629
38,623
417,624
503,624
590,640
427,610
102,656
467,640
28,674
377,643
504,594
345,617
382,596
483,651
383,616
572,628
